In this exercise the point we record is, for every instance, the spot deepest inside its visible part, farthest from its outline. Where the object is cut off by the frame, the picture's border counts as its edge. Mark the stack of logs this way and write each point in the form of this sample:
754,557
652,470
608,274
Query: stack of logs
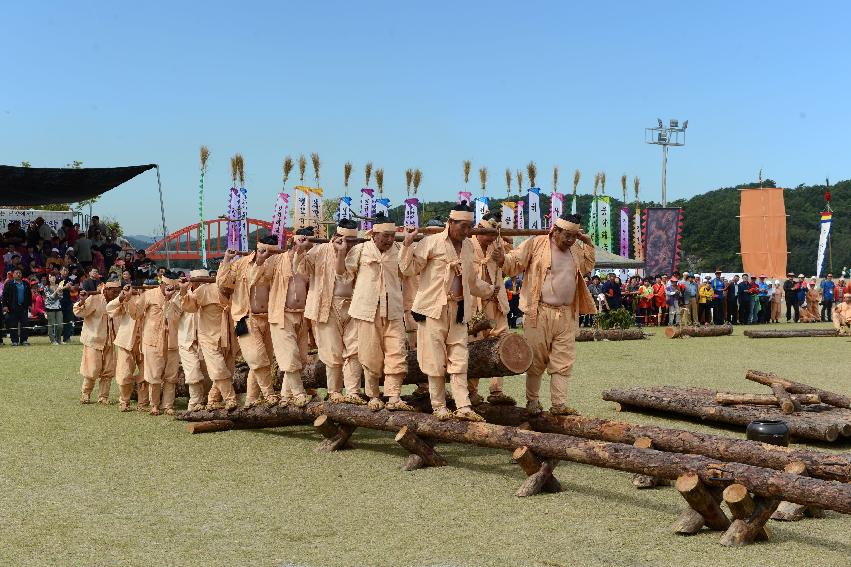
750,477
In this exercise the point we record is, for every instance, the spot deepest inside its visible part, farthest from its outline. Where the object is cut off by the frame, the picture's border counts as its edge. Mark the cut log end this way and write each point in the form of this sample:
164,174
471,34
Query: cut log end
515,353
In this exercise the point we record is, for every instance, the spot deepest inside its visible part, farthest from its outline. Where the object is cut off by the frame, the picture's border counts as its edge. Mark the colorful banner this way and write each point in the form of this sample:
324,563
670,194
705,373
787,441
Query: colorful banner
481,209
534,219
412,214
508,214
556,206
625,232
382,205
637,242
662,231
465,196
823,239
519,214
301,207
279,217
600,223
242,215
367,207
316,210
344,211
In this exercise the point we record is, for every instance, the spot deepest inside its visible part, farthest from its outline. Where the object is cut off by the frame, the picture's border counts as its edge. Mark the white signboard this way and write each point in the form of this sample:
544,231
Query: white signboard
52,218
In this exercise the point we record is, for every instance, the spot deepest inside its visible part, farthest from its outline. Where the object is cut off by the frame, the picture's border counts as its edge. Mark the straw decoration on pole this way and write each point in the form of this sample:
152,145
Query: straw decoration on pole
603,181
555,179
466,171
596,183
240,164
483,177
234,169
576,177
367,171
508,181
409,176
532,172
379,180
302,165
347,172
519,182
314,157
205,155
635,184
418,177
288,167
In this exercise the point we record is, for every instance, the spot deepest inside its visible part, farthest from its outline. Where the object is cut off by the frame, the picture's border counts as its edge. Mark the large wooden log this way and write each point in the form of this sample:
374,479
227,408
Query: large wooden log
588,335
749,516
701,500
760,481
699,331
734,398
506,355
784,399
822,465
791,333
768,378
700,403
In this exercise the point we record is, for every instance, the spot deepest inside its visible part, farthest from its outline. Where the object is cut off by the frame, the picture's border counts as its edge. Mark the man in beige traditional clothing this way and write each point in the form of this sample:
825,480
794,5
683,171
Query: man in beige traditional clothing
444,303
842,315
287,298
98,362
249,308
494,309
379,311
553,297
159,342
215,341
328,299
129,365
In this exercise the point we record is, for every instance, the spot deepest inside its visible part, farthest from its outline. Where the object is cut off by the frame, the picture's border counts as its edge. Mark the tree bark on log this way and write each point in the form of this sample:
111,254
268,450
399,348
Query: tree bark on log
784,400
733,399
702,501
827,397
741,506
700,403
588,335
418,447
789,512
642,481
822,465
209,426
760,481
539,473
792,333
506,355
703,331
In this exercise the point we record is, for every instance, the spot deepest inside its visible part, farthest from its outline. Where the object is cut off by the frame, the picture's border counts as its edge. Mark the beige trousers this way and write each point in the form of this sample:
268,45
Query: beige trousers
129,370
381,350
442,350
160,367
256,347
553,343
500,326
191,361
337,342
97,365
691,316
289,340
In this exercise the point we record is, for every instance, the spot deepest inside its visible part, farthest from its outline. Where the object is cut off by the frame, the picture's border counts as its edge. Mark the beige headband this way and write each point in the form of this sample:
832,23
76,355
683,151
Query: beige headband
347,232
384,227
460,215
168,281
111,285
488,223
567,225
264,246
200,273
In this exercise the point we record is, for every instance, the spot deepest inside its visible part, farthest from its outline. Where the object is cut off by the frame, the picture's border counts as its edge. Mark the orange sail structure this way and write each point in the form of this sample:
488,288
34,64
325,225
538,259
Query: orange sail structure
762,230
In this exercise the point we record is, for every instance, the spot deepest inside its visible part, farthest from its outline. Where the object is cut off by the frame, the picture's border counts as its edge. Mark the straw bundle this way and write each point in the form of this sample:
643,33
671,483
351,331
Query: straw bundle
532,172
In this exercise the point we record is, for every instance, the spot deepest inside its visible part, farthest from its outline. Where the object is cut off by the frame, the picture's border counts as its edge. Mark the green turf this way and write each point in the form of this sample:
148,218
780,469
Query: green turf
92,486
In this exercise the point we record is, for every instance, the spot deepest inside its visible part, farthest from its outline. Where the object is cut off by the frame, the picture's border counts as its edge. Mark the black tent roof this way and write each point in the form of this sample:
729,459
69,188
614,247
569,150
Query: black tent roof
49,185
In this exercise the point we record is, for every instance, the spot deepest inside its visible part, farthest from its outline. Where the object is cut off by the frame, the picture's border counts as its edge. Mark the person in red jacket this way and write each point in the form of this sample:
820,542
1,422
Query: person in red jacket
660,299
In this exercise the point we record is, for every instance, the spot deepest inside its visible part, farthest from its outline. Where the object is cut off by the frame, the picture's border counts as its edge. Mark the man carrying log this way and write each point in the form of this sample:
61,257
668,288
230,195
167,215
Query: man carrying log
159,341
249,308
287,296
444,303
378,310
97,336
553,297
842,315
212,343
494,309
329,297
129,365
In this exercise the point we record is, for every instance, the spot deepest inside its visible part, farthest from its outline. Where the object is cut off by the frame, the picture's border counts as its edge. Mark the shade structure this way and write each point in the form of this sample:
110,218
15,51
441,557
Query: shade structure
28,186
610,260
762,230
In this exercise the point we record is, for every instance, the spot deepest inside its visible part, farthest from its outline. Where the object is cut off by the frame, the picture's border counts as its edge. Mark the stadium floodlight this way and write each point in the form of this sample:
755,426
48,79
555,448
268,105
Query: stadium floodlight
672,135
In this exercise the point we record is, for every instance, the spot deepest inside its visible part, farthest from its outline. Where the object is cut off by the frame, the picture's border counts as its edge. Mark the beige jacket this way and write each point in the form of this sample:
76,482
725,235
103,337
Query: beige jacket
128,331
494,273
214,325
235,276
378,286
98,330
161,318
320,263
434,259
276,272
535,259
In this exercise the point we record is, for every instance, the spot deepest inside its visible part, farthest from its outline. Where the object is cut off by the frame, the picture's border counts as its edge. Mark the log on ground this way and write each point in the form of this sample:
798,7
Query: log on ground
734,398
819,422
826,396
588,335
699,331
791,333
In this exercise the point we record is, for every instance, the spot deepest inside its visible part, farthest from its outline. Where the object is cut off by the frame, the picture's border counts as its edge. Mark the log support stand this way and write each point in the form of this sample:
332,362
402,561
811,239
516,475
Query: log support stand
539,473
704,507
337,437
750,515
422,452
641,481
789,512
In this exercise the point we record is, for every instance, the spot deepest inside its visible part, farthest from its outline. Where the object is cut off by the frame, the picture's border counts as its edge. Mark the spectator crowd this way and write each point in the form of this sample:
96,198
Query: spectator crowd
739,300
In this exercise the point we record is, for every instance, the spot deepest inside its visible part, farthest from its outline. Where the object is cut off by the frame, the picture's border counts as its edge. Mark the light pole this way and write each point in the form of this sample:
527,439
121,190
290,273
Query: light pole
661,135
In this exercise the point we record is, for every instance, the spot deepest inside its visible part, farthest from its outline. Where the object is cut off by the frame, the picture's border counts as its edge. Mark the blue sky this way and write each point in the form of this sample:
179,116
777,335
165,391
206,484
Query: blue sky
429,84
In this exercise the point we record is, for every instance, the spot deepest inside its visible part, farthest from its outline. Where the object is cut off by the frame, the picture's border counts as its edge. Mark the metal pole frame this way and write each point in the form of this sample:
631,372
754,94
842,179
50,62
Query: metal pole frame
162,214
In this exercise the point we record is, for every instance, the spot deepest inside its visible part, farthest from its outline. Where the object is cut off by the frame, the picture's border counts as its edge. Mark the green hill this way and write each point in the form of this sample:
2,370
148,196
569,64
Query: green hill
711,225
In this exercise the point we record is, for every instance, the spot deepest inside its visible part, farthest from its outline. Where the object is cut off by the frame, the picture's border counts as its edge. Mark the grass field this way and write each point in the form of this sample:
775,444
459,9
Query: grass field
87,485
